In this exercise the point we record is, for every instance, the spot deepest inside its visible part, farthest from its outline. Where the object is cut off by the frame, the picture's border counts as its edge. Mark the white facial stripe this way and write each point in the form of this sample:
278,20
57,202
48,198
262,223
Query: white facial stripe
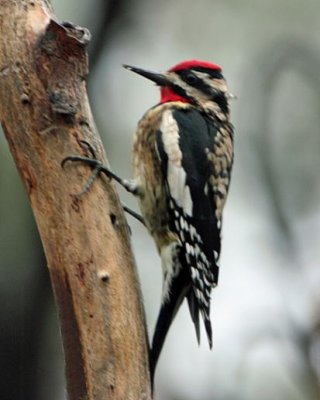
216,84
175,79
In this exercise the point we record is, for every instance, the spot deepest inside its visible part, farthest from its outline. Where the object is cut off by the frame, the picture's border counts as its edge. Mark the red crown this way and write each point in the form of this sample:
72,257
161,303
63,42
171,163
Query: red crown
193,64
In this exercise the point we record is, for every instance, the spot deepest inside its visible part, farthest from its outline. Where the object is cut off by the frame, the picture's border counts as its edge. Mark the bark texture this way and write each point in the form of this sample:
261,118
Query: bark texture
45,114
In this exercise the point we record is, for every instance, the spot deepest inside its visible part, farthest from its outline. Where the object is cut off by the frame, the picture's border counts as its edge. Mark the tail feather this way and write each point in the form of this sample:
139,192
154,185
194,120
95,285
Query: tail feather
180,287
207,324
166,315
194,312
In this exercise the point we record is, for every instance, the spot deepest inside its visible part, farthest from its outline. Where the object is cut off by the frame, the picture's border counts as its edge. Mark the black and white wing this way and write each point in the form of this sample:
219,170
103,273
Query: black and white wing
186,144
184,141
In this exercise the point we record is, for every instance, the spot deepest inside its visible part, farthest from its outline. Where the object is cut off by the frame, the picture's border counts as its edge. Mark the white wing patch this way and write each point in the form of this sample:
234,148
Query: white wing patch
179,190
170,138
176,178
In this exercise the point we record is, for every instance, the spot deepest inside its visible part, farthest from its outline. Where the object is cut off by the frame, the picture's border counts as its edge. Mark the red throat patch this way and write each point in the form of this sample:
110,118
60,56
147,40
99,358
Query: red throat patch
167,95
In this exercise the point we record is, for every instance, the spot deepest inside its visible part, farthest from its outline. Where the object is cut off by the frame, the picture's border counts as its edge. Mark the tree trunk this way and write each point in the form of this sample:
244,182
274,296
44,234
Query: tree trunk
45,115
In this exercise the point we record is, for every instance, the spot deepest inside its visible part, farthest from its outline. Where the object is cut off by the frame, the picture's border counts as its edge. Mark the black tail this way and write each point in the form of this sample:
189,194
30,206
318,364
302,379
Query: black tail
168,311
207,325
179,290
194,312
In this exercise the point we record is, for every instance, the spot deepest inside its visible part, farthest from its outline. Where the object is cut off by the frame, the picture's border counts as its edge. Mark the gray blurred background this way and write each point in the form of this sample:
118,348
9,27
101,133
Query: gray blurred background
266,310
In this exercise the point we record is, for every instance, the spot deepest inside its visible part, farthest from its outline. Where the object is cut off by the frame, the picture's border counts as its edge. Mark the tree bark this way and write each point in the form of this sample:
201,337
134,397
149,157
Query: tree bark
45,114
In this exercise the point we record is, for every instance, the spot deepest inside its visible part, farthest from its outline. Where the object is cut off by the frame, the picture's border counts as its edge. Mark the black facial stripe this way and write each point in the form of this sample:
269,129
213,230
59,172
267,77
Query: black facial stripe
198,83
181,92
222,101
216,95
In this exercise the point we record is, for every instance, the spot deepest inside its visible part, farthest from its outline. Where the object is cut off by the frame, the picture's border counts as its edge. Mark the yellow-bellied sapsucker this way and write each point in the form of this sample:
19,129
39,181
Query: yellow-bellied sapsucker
182,161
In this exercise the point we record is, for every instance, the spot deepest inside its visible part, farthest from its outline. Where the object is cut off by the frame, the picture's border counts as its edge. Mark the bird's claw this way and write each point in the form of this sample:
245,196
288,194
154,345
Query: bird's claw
92,161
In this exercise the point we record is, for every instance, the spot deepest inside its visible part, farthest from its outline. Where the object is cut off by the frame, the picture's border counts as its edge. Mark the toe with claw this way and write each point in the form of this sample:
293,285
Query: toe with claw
97,168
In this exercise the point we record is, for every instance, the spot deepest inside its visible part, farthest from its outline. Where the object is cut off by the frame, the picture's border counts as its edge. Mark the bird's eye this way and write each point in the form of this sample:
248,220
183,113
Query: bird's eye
191,79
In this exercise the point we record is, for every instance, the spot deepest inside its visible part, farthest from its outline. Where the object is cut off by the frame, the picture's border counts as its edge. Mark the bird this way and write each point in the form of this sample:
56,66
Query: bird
182,162
183,152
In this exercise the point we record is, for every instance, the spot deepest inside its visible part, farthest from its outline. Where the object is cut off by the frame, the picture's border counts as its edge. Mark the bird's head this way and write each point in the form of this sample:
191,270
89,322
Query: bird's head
199,83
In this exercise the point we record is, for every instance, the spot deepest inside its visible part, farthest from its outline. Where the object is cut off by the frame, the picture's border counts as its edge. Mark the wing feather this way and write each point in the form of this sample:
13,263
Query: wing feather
186,144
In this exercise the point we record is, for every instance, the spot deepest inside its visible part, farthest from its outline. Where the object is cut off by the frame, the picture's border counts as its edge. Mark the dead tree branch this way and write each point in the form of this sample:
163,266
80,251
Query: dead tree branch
45,114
